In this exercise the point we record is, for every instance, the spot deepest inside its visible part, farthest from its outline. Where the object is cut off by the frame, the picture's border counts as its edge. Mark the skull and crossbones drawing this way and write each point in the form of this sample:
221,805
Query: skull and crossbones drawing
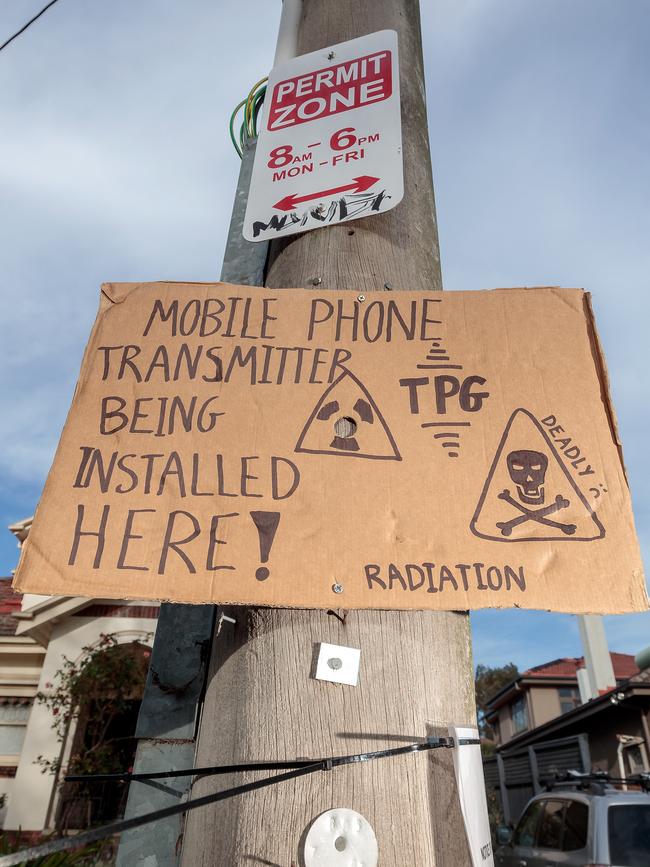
527,470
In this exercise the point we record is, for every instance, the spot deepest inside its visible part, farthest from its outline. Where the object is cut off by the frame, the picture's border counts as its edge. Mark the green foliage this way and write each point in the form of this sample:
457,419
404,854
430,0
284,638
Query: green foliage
488,749
88,856
86,698
94,692
488,681
495,815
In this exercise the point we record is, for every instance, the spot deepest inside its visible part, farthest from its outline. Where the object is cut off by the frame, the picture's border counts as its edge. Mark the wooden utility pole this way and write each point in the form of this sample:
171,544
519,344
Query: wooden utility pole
416,678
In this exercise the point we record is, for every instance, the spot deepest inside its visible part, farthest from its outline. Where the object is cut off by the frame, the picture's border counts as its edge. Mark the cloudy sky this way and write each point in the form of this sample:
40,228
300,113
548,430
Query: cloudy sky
115,164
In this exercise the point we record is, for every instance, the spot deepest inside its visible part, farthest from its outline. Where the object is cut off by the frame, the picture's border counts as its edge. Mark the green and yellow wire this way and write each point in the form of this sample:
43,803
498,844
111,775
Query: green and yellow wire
251,105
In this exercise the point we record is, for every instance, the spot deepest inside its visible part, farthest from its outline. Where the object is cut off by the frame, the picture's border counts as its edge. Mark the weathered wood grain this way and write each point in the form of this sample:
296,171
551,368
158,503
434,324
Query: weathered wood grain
416,669
400,247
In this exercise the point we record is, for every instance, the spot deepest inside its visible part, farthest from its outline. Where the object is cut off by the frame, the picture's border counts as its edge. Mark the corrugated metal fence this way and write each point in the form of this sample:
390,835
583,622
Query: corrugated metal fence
519,773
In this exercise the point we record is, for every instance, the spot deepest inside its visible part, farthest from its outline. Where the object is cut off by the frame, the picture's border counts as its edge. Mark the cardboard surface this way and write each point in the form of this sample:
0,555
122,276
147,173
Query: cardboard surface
322,449
330,146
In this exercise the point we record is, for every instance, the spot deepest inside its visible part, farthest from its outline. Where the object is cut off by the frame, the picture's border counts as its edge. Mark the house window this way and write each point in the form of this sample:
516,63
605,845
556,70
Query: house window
519,713
636,761
527,827
14,714
569,698
576,826
549,834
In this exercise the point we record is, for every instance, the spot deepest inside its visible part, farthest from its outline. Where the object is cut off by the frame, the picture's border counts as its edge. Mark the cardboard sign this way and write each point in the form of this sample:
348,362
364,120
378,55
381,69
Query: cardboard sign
294,448
330,148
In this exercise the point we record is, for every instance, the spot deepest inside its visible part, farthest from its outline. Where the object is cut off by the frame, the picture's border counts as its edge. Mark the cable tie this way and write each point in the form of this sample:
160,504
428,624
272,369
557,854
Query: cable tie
328,763
297,768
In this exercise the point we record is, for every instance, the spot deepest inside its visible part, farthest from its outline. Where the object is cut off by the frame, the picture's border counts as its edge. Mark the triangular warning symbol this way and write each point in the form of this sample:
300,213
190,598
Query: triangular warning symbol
529,494
347,421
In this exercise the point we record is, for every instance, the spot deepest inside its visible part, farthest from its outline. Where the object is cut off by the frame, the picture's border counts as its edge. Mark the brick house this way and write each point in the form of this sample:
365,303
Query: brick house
36,634
543,728
543,693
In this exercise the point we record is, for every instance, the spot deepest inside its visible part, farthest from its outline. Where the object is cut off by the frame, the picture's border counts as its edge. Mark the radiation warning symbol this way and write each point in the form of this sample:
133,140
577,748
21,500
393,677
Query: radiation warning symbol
347,421
529,494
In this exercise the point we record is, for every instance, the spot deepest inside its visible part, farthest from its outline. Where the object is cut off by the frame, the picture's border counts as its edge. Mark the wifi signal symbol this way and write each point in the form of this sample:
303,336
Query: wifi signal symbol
450,440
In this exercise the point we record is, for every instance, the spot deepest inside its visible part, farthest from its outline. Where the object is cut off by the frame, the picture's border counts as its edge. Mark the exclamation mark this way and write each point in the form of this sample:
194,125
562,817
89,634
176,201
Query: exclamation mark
267,524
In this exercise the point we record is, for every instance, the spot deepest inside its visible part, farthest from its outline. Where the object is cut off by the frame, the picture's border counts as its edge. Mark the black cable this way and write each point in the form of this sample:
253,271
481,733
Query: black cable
333,762
189,772
29,24
299,768
86,837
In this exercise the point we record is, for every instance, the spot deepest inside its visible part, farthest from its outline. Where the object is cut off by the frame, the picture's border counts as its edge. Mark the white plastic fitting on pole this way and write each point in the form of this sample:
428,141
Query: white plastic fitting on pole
584,685
287,44
598,661
642,658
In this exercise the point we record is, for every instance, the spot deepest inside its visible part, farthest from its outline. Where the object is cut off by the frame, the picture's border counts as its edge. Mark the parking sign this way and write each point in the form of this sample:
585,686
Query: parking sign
330,148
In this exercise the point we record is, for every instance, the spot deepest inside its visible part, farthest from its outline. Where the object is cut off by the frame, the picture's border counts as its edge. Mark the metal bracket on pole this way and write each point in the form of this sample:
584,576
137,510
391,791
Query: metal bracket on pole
166,729
244,263
167,724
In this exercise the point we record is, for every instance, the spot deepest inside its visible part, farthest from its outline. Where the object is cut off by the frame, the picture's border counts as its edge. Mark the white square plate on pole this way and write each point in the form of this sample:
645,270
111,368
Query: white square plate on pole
330,148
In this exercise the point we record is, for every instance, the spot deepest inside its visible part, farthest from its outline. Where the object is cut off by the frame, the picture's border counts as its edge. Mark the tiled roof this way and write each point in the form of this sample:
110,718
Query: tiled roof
10,602
8,594
623,663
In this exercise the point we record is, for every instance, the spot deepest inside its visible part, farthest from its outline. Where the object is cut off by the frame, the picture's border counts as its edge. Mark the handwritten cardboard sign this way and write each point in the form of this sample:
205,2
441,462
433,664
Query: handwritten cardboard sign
316,449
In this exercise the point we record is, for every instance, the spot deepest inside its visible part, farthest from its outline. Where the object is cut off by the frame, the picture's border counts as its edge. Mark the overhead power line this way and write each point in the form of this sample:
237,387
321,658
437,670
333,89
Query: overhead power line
29,23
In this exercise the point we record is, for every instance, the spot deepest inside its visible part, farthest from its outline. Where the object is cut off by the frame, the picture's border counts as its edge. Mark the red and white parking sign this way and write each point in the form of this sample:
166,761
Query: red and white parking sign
330,148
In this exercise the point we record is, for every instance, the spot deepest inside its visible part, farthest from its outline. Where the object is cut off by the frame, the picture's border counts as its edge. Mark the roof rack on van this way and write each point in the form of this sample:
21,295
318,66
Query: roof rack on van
641,779
597,782
594,781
